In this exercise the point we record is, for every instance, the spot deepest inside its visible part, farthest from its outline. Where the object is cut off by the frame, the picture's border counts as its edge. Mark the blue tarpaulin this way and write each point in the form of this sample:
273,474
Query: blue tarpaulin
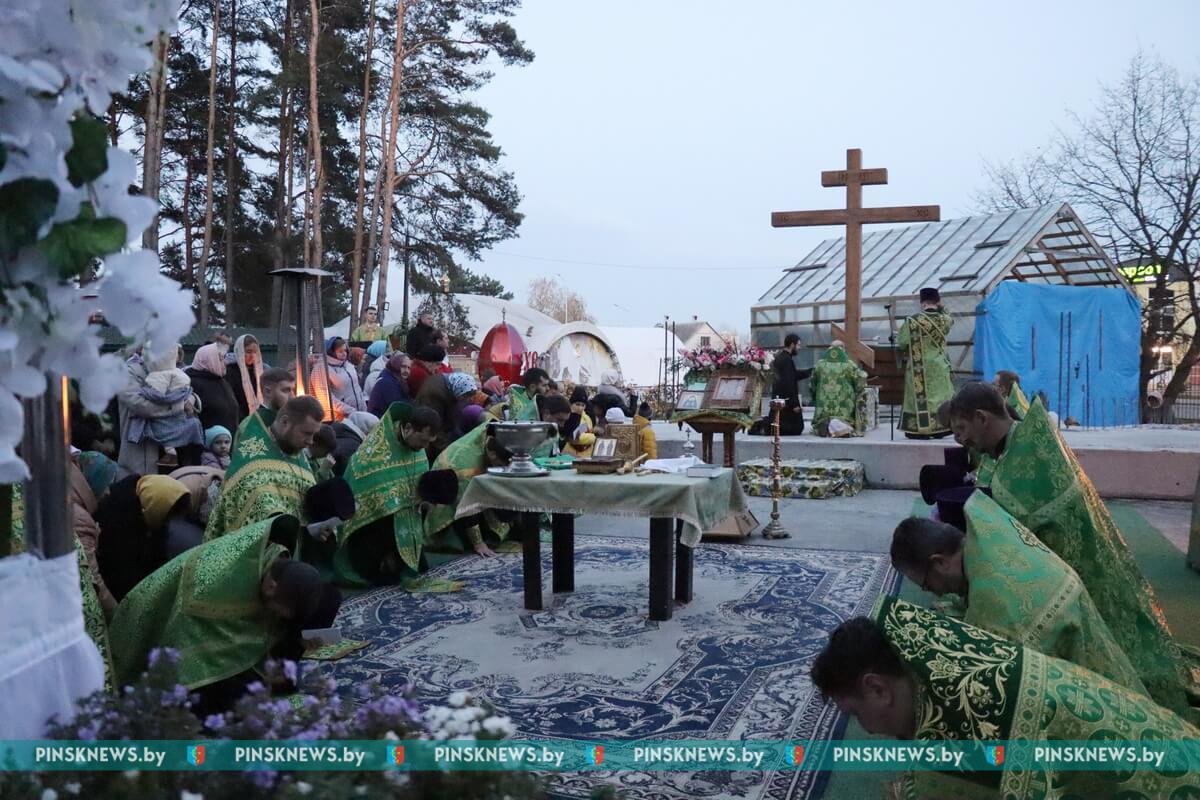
1079,345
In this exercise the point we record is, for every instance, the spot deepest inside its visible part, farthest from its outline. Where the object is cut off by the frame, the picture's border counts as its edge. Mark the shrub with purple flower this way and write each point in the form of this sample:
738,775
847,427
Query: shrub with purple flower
158,707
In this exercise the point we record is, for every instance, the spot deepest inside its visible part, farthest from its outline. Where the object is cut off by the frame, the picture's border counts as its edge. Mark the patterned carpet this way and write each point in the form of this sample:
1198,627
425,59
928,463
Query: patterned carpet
731,664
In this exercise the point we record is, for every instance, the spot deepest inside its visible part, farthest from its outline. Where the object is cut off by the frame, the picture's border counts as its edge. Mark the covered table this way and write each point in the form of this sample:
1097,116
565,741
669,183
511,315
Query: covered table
697,504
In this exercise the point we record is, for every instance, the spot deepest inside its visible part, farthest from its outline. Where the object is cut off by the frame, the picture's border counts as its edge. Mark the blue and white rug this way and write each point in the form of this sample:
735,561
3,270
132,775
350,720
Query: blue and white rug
731,664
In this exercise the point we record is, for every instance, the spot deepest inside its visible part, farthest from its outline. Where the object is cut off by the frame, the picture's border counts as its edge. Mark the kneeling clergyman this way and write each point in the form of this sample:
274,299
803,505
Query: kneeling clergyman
393,491
1032,474
912,673
225,606
1013,585
268,473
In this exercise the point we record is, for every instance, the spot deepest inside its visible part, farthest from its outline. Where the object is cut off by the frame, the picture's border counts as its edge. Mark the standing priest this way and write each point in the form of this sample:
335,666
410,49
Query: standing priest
927,381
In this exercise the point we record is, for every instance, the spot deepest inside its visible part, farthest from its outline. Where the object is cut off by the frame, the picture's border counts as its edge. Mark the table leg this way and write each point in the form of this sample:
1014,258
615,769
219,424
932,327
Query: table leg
729,445
531,563
563,552
706,447
662,571
683,567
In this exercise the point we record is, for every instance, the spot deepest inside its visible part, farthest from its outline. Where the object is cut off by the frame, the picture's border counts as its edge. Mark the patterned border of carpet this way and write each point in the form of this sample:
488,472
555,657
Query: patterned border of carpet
731,664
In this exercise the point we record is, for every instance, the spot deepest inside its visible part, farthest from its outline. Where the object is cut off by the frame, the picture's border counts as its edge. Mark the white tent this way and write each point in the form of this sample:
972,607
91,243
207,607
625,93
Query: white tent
640,352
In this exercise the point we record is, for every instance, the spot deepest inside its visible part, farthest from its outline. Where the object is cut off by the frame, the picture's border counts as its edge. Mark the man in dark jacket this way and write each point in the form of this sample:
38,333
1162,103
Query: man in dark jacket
786,386
420,335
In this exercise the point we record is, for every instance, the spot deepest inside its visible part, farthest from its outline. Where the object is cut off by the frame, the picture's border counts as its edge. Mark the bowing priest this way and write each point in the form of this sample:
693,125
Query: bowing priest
469,456
393,490
225,607
927,383
839,388
901,673
1013,585
1033,475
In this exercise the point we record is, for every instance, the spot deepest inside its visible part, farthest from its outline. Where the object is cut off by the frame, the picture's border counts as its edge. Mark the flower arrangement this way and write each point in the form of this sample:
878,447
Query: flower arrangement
65,206
158,707
708,359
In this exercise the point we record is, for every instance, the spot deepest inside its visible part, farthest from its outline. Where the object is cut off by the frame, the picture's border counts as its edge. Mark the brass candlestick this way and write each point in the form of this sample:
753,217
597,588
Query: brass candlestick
775,529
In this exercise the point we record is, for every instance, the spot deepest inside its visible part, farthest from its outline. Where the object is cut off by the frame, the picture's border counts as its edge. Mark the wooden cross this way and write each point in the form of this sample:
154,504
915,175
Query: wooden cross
854,216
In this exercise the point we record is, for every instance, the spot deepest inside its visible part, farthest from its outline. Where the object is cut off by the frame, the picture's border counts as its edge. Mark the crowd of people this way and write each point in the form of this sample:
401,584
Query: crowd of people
1053,632
221,512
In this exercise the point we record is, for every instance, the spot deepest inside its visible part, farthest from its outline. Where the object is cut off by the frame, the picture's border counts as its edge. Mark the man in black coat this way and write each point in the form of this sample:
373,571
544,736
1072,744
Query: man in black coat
787,378
420,335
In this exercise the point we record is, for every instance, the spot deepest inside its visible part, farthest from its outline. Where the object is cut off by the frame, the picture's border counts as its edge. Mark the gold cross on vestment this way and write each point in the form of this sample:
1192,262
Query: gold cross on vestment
854,216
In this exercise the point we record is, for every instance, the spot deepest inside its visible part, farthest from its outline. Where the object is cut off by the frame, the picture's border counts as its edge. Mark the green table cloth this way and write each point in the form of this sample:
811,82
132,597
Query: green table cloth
701,503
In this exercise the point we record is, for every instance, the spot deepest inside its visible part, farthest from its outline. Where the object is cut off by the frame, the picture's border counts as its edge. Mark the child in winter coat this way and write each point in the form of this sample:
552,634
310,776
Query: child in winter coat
218,443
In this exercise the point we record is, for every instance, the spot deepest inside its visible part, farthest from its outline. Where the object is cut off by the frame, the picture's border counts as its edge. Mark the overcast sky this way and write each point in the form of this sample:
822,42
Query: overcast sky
661,135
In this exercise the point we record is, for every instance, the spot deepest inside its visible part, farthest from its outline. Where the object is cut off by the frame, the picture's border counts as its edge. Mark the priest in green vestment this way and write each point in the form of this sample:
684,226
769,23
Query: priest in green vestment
1032,474
1008,383
912,673
225,607
927,382
839,388
278,386
383,543
469,456
370,330
268,471
1013,585
522,400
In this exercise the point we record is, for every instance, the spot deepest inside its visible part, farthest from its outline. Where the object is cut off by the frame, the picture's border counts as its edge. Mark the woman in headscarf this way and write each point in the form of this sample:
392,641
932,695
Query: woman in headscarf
349,434
142,524
345,391
494,386
373,363
218,403
246,380
392,386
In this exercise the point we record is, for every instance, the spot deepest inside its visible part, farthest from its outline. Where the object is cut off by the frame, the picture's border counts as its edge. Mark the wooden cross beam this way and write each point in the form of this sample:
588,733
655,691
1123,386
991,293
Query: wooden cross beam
854,216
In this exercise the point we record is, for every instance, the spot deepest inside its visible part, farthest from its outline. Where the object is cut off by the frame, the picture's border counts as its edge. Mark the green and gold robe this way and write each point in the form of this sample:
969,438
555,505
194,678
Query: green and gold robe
839,389
206,604
263,416
927,382
522,407
1038,480
1018,588
383,474
467,456
260,482
1017,401
973,685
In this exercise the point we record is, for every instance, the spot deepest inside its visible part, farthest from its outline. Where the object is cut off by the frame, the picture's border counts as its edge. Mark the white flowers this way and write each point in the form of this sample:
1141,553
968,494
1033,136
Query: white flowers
184,794
59,58
460,720
303,788
49,794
